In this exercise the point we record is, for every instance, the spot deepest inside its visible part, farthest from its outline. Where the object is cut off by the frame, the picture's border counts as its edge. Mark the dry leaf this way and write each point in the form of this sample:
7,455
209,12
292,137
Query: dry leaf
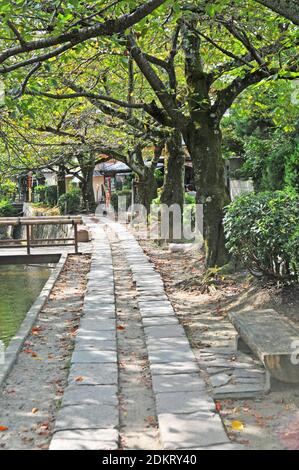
237,426
34,410
79,379
3,428
120,327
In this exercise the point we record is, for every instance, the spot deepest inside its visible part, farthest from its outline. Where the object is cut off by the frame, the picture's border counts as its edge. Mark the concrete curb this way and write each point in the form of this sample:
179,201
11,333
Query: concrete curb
16,343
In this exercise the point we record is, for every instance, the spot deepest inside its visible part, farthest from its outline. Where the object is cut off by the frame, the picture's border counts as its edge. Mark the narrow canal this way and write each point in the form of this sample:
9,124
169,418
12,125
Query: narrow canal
19,288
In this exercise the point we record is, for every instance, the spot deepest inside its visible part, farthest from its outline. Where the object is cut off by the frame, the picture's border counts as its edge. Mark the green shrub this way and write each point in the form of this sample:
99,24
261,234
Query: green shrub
293,249
7,209
70,202
261,232
51,194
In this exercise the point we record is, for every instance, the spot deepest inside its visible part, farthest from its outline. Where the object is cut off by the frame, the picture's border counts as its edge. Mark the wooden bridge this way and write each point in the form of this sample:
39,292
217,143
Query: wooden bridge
37,250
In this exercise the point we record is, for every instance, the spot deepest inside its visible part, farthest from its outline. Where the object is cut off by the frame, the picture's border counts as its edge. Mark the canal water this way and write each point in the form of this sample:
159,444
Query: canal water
20,285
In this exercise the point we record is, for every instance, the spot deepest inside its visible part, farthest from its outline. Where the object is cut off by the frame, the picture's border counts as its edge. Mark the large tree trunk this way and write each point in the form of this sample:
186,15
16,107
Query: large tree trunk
89,202
204,145
173,191
61,186
87,165
146,188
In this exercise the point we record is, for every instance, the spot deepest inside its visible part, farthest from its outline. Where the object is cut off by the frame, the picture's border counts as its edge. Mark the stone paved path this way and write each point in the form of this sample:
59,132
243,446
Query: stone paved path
92,413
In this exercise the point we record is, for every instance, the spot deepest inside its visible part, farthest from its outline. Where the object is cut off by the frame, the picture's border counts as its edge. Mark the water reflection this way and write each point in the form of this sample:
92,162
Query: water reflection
19,287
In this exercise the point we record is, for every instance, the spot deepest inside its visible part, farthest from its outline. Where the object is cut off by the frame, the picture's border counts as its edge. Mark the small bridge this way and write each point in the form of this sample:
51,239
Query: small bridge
36,249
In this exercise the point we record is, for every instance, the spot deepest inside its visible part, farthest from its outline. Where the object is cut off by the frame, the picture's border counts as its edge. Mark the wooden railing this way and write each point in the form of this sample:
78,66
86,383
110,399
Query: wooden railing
31,242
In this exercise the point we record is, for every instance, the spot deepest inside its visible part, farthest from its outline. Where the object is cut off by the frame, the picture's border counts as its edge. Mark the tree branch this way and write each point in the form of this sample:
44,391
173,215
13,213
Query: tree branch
76,36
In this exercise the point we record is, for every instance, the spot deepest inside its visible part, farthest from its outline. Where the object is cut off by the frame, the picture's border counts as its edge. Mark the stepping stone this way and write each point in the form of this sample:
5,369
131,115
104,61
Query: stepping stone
161,320
239,391
156,312
87,417
154,305
93,357
170,355
93,374
168,343
106,335
94,344
164,331
90,395
98,324
191,431
152,298
90,439
184,402
177,383
174,368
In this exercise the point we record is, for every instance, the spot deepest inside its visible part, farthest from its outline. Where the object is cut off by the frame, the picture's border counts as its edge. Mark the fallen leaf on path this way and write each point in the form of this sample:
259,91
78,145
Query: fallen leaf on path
120,327
34,410
36,330
79,379
3,428
237,425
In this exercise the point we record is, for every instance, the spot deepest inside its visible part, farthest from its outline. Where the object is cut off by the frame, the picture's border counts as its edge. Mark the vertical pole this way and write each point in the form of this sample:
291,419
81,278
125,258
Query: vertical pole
76,237
28,239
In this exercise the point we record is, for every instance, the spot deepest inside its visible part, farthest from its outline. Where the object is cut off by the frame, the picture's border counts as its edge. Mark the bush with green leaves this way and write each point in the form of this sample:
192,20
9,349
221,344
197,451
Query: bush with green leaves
262,232
51,194
70,202
7,209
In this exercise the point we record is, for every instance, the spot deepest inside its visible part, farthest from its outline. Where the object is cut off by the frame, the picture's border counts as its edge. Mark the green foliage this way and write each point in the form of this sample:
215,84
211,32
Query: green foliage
51,193
259,227
292,168
70,202
263,128
7,188
293,249
39,193
159,176
7,209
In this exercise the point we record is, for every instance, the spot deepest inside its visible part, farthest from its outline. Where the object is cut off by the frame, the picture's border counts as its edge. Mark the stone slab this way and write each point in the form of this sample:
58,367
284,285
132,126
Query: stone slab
106,335
90,395
90,439
177,383
160,320
93,357
87,417
100,324
156,312
94,344
190,431
164,331
174,368
184,402
93,374
160,356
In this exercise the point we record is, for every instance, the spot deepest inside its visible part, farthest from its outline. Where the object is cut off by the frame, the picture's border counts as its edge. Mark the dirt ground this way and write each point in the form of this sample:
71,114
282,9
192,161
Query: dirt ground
271,422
